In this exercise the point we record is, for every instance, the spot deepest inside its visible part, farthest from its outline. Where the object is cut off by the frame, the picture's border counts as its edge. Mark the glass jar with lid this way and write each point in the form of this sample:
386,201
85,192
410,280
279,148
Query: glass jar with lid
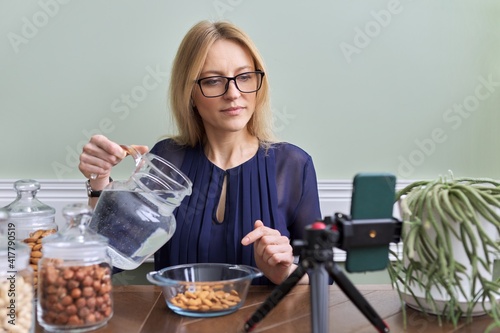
17,308
75,276
33,219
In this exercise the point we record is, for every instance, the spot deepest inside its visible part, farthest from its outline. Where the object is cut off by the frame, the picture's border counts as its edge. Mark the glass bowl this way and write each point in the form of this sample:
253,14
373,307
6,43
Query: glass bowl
205,289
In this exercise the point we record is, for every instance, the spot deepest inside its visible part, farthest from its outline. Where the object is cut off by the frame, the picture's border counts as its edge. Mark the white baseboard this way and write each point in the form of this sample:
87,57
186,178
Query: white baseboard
335,196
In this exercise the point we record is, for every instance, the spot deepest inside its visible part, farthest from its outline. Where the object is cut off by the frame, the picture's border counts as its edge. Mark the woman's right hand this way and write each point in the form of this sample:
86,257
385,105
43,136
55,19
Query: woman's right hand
99,155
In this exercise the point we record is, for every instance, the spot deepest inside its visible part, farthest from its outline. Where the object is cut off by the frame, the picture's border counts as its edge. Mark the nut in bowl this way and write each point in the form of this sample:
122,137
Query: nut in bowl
204,290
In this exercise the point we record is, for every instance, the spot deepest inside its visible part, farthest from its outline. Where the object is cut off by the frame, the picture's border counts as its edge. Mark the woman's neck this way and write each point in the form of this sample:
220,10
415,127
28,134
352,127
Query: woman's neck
231,150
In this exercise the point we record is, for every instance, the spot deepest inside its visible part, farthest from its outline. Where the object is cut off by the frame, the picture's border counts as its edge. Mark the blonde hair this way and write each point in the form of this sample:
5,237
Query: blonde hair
186,69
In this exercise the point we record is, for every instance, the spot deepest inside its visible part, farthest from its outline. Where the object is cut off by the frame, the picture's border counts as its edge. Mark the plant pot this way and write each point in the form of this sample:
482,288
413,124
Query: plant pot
440,297
450,240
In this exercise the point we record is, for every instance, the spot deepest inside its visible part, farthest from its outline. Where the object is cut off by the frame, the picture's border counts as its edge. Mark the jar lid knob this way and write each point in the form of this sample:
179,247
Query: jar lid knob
77,215
27,185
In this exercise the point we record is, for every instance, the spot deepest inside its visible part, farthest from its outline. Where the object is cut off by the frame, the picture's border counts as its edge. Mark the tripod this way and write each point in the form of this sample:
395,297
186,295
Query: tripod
317,258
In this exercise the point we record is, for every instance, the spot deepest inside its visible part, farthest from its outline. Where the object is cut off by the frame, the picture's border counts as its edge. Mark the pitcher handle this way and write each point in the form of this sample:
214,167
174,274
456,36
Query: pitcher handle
132,152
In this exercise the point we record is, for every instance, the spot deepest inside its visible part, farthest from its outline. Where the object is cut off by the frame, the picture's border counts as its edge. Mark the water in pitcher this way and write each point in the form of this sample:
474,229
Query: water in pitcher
135,223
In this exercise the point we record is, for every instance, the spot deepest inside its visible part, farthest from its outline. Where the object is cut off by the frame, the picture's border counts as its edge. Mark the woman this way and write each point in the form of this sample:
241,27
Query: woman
251,196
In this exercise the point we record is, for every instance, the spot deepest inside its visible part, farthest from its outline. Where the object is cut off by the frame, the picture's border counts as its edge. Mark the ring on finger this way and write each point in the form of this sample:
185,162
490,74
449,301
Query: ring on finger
93,176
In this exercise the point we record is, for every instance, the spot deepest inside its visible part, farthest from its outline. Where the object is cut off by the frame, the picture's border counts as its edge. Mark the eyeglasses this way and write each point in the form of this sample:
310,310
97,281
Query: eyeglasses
215,86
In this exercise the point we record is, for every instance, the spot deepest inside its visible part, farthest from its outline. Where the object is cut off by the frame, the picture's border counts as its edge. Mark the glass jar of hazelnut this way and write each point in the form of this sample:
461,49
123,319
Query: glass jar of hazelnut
74,290
33,220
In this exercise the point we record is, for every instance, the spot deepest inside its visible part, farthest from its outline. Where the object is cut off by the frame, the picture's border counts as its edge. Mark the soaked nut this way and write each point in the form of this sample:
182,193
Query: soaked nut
76,292
88,292
37,234
71,310
80,302
24,310
67,294
68,274
34,241
67,300
72,284
207,298
88,281
73,320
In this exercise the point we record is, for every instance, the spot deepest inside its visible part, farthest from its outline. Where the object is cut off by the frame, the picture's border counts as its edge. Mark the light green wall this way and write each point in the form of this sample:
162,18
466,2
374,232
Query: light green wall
361,85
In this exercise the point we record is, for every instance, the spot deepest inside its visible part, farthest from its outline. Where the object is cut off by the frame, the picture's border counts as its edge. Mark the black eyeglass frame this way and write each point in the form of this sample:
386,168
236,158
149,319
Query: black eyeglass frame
229,79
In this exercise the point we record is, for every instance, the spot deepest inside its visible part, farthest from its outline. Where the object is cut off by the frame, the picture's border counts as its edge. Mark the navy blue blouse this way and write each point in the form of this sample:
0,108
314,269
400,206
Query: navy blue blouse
277,186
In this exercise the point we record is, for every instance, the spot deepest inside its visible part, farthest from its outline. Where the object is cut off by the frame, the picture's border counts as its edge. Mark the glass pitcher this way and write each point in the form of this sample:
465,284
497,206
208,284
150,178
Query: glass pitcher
136,215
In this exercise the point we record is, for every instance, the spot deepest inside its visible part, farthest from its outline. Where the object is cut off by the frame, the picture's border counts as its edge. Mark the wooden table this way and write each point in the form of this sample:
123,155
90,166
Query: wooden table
143,309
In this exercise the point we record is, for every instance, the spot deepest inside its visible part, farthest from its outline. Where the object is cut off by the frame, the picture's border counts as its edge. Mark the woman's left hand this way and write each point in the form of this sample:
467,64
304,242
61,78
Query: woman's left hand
273,252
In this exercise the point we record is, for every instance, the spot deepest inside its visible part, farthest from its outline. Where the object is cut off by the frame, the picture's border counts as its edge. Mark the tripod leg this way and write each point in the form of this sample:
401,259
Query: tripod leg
356,297
276,296
319,299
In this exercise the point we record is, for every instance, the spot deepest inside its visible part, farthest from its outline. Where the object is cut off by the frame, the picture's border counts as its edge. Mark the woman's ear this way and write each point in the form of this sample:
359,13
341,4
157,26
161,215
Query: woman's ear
191,98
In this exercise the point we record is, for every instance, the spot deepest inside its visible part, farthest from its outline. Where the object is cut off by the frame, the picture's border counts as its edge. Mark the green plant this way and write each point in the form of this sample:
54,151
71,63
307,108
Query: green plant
436,214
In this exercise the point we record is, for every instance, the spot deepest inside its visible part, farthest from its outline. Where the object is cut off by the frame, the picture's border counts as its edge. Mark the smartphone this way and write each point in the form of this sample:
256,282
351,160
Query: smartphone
373,196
